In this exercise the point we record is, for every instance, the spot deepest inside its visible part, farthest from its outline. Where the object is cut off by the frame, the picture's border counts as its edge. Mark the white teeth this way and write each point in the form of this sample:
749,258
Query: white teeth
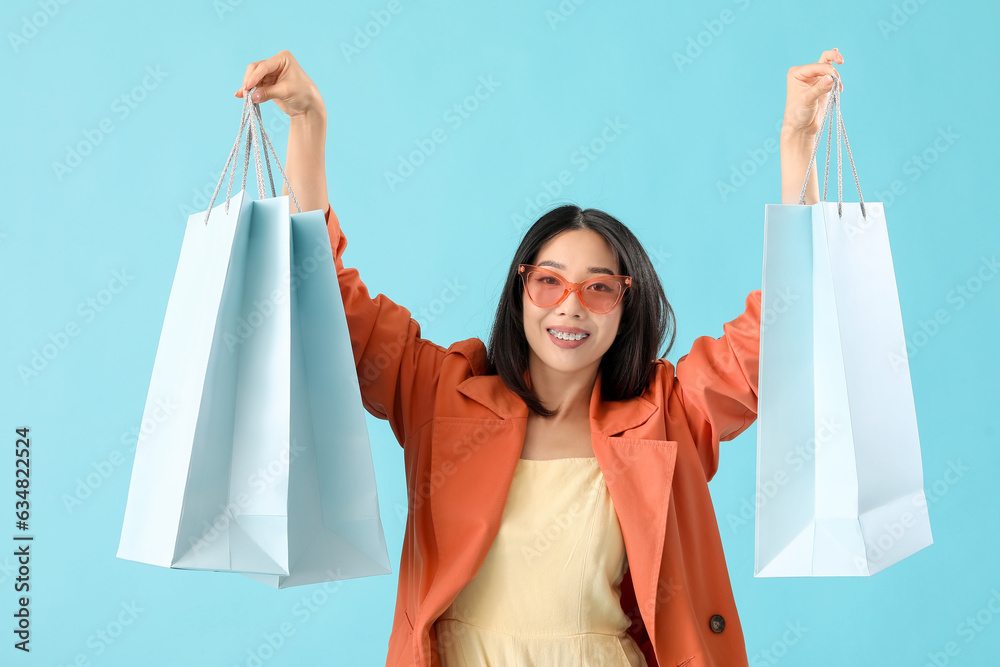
564,336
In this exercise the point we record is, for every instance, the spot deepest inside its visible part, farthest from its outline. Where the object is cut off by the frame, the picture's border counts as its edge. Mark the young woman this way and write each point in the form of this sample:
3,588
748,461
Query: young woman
559,511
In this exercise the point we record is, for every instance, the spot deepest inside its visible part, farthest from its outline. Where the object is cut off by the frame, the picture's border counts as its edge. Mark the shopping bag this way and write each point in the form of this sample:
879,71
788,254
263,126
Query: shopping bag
839,477
262,464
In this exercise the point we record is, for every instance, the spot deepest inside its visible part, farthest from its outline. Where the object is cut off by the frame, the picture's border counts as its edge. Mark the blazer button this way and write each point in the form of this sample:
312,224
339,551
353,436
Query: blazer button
717,623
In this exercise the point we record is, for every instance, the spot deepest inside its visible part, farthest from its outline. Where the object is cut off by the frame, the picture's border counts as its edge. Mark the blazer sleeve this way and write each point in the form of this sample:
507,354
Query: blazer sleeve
397,369
717,383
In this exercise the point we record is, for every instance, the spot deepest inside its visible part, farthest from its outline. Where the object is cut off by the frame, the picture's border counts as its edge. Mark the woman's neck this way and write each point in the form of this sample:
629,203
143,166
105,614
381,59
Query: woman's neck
567,393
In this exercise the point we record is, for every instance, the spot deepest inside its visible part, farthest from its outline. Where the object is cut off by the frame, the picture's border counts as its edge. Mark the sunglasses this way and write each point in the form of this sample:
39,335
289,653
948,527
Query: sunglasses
547,288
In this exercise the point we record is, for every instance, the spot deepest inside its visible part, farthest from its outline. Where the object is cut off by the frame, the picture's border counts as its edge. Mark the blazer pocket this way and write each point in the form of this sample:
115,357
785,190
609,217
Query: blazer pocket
643,454
651,442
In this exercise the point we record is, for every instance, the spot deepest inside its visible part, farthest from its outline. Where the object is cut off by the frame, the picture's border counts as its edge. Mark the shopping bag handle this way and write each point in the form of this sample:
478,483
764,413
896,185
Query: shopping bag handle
249,119
833,109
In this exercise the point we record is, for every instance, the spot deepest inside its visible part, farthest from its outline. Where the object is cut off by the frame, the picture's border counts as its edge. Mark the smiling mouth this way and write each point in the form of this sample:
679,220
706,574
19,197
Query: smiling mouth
565,336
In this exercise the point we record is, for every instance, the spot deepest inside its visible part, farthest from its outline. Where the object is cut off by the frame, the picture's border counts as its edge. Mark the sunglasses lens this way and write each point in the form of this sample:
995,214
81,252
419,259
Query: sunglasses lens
545,290
602,295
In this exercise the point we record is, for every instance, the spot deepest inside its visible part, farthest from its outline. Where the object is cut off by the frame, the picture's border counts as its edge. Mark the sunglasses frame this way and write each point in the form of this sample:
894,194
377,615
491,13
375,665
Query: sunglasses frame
569,287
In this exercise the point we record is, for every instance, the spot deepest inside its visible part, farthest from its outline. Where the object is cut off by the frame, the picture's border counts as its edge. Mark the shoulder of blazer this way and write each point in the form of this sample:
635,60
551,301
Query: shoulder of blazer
474,352
662,380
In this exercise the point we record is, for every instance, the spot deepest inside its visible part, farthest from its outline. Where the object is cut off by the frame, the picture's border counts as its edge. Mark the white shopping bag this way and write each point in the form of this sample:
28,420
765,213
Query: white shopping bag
839,477
262,465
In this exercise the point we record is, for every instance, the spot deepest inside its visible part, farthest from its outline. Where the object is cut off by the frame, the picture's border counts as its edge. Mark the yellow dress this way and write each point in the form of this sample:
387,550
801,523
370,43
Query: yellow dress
548,593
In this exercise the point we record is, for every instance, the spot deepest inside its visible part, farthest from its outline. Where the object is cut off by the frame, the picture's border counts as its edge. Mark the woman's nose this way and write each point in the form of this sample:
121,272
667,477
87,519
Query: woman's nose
573,302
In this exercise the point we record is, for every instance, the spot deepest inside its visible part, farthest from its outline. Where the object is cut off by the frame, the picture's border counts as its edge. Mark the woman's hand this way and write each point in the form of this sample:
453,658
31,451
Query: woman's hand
809,88
280,78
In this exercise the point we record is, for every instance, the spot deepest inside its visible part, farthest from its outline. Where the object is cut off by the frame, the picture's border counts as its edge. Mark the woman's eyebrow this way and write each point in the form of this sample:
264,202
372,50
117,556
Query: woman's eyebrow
592,269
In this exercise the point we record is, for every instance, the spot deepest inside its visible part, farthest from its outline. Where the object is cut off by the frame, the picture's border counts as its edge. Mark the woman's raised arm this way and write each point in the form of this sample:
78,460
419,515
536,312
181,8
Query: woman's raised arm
717,379
808,88
281,78
397,369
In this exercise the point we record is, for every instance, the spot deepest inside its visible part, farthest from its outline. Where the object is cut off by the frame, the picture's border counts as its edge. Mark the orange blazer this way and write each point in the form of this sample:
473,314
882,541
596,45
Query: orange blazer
462,432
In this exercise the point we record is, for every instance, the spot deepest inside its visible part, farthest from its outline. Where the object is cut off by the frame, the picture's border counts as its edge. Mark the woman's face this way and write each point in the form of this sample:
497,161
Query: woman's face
572,254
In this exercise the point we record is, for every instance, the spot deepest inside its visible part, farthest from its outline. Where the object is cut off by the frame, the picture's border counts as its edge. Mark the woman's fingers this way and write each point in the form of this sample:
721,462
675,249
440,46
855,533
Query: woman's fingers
270,92
267,81
280,78
261,73
833,55
246,75
250,68
807,74
808,86
263,68
811,70
258,73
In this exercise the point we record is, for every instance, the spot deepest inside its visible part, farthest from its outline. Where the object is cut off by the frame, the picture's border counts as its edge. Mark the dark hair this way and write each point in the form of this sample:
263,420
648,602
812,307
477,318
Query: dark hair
627,367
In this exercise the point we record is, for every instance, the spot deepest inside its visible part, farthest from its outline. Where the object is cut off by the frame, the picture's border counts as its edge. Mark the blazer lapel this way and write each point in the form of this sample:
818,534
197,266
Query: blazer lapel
638,472
473,460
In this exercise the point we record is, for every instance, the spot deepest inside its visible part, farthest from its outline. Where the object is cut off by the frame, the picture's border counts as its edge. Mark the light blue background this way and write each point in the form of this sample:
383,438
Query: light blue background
124,208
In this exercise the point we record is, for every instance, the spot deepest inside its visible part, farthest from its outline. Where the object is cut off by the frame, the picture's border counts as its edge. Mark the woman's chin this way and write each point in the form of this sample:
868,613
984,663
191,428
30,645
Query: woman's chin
561,362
